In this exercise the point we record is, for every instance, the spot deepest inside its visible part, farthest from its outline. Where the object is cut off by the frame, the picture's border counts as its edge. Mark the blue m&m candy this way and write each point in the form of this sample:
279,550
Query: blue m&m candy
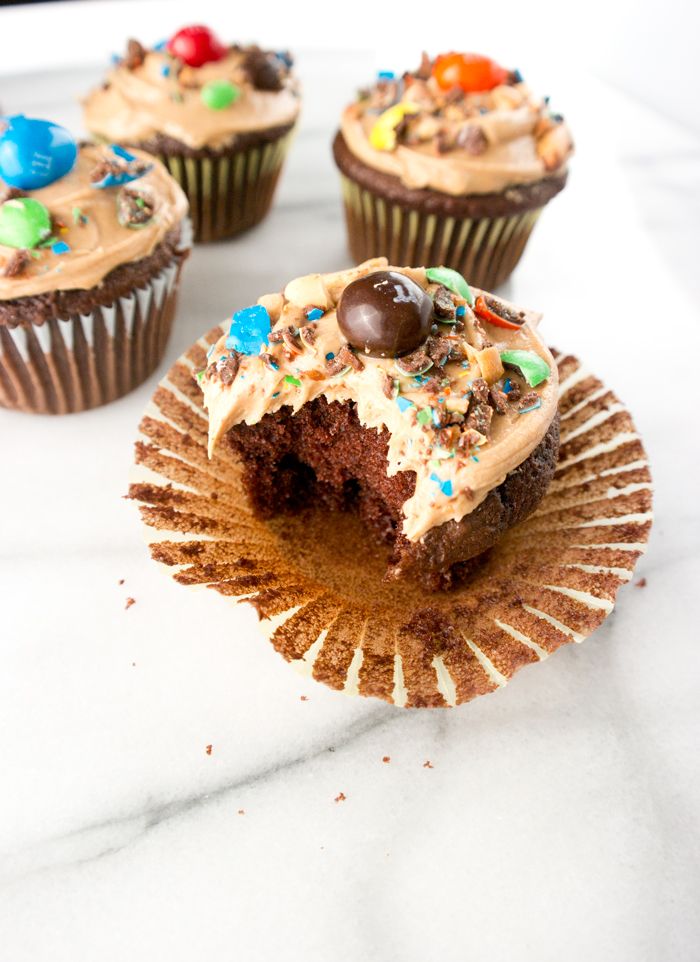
35,153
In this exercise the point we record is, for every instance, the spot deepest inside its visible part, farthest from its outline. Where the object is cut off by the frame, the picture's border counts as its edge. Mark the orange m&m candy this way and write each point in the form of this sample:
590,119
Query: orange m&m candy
470,71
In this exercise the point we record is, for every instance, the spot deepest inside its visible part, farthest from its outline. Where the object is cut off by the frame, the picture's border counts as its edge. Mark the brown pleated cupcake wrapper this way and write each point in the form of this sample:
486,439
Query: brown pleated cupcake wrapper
315,579
86,360
228,193
484,250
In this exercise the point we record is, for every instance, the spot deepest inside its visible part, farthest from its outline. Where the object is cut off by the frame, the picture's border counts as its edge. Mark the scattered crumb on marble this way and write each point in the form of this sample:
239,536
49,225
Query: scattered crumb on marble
340,798
129,603
304,698
208,749
428,765
386,759
121,581
133,664
642,583
241,812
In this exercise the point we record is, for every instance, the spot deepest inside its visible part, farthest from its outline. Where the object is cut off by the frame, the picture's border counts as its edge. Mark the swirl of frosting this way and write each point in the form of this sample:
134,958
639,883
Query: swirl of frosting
458,142
152,94
89,240
440,421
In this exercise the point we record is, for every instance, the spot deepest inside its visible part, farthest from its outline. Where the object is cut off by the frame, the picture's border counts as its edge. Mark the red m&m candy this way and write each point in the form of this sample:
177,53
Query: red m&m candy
470,71
196,46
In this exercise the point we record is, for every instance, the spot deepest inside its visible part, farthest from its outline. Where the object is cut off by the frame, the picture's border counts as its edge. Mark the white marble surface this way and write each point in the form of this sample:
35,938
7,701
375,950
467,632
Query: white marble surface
559,818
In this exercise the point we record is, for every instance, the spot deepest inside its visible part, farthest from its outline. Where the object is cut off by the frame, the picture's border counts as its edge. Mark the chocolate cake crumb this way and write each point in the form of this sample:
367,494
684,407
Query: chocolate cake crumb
428,765
129,603
117,168
470,437
340,798
444,302
437,349
269,361
276,337
499,400
388,385
434,385
480,390
480,419
307,333
208,749
642,583
447,437
413,363
513,393
426,67
343,359
527,400
135,55
472,139
15,264
456,417
134,207
225,369
121,581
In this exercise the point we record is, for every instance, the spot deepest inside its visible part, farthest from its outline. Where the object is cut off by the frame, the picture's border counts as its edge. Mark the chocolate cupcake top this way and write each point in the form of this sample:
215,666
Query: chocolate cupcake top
66,221
459,124
462,380
195,90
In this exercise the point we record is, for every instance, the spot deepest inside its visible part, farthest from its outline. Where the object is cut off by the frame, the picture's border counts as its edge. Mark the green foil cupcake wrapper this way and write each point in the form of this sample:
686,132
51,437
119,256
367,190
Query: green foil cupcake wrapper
229,192
86,360
316,579
484,250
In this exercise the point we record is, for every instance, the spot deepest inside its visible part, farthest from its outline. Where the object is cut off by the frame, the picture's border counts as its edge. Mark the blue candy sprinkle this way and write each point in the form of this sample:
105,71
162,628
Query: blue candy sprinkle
461,311
249,331
120,152
315,314
474,459
285,58
386,74
115,58
60,248
164,69
161,45
210,351
508,386
435,478
436,416
518,77
330,356
447,488
404,404
533,407
276,394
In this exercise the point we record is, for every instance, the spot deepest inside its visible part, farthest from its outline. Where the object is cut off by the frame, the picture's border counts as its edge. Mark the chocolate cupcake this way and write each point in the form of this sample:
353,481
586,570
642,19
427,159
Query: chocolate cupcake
428,408
450,164
92,241
219,118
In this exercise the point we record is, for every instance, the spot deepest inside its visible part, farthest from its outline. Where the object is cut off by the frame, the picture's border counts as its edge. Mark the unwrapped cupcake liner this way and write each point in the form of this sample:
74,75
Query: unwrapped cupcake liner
86,360
316,579
229,192
485,250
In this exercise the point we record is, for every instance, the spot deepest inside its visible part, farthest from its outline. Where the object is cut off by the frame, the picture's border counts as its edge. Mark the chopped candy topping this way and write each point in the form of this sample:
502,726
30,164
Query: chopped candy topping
452,280
533,367
249,330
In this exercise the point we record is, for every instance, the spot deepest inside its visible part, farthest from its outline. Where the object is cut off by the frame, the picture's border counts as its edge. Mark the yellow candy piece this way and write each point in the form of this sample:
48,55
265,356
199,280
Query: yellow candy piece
383,135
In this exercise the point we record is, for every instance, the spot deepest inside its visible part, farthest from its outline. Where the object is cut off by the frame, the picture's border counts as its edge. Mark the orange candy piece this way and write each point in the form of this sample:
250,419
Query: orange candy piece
470,71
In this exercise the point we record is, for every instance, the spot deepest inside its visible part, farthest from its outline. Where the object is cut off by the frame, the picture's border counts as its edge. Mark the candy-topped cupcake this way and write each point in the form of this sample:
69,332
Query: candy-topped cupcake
428,407
220,119
450,164
92,240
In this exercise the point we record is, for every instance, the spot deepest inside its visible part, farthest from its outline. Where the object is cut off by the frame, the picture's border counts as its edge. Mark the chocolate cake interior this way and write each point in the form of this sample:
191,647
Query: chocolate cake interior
321,456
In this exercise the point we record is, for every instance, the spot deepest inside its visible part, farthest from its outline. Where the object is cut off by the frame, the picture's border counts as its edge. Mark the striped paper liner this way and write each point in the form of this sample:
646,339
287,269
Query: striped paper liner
86,360
316,582
484,250
229,192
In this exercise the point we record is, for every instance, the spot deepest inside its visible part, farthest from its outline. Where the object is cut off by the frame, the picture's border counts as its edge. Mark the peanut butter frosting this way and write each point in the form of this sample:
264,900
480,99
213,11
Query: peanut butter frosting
88,238
461,424
454,141
154,94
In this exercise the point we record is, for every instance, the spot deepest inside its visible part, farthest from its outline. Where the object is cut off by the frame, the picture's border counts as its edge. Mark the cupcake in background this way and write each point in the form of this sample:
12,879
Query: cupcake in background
220,118
451,164
92,241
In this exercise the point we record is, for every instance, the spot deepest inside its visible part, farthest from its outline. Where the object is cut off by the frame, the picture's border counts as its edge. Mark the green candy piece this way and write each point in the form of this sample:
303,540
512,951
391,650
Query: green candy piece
24,223
219,94
534,369
452,280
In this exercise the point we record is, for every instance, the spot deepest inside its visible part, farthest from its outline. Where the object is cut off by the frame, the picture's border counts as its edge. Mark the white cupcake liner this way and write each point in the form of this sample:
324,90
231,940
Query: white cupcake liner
86,360
318,591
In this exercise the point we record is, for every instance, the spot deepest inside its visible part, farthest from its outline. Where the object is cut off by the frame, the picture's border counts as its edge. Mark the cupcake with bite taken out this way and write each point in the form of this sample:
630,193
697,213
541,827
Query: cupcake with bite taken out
92,241
450,164
400,393
219,118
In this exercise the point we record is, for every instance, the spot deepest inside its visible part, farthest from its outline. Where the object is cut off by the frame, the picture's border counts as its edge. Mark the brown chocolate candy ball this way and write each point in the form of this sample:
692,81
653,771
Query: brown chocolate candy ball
385,314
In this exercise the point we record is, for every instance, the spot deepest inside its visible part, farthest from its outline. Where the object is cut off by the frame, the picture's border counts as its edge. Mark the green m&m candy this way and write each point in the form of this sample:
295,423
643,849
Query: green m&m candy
219,94
24,222
533,368
453,280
